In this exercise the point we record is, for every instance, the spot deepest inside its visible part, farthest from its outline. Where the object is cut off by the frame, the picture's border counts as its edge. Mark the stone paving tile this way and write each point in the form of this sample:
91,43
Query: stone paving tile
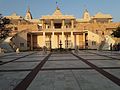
36,56
54,80
43,81
106,63
8,80
71,80
85,53
105,52
63,57
65,64
19,65
117,57
94,57
31,59
5,60
115,72
11,57
92,80
58,54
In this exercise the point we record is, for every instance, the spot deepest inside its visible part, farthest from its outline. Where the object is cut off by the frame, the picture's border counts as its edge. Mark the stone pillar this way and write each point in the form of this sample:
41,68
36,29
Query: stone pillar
52,24
72,40
31,44
43,24
63,23
66,43
75,41
63,40
109,21
72,23
84,40
44,39
52,41
95,21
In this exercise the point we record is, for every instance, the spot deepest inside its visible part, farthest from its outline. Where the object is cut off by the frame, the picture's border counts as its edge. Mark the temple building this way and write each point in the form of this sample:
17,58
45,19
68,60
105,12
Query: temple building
89,32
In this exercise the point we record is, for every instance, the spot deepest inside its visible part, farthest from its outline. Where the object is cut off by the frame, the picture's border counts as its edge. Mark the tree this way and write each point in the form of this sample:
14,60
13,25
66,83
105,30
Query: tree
4,32
116,33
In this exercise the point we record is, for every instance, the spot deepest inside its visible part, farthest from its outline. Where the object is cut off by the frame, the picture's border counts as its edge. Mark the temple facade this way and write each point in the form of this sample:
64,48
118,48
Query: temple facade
90,32
58,28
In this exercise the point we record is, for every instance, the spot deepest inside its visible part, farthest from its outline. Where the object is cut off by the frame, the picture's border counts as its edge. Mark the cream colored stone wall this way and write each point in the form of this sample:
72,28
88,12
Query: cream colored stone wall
21,27
55,43
31,27
100,27
81,41
92,37
20,40
40,40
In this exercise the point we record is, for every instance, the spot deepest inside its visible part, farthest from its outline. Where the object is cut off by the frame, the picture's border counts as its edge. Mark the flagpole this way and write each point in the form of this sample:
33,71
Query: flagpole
56,4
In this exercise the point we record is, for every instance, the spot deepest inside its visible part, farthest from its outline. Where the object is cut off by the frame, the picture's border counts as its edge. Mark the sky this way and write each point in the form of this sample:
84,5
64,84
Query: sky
70,7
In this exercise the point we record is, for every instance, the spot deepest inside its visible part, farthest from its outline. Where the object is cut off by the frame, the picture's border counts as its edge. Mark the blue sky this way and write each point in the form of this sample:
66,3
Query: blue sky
72,7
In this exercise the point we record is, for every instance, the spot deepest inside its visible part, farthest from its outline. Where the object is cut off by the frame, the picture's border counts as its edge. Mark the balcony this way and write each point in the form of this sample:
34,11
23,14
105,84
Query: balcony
57,29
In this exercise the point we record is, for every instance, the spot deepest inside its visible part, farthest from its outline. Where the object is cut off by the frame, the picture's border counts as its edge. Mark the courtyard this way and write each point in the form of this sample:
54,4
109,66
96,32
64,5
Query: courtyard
85,70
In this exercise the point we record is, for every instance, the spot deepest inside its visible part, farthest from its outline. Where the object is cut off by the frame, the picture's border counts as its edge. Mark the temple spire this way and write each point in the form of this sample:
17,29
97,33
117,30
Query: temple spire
28,15
86,15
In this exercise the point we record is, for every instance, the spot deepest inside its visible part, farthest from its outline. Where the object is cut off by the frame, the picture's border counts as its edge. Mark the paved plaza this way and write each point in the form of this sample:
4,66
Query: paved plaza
85,70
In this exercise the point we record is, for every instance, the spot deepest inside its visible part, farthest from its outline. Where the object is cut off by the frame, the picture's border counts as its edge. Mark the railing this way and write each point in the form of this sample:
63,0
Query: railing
14,47
55,29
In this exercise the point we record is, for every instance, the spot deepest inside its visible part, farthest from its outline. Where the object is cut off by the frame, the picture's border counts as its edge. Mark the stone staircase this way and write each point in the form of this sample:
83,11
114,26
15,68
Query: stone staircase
8,44
102,43
106,42
5,44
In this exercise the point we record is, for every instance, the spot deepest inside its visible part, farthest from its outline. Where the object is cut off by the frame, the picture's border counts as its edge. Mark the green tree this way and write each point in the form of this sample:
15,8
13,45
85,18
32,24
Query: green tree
4,32
116,33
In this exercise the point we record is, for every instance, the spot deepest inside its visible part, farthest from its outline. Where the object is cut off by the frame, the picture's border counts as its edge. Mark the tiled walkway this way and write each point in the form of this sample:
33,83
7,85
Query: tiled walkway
86,70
